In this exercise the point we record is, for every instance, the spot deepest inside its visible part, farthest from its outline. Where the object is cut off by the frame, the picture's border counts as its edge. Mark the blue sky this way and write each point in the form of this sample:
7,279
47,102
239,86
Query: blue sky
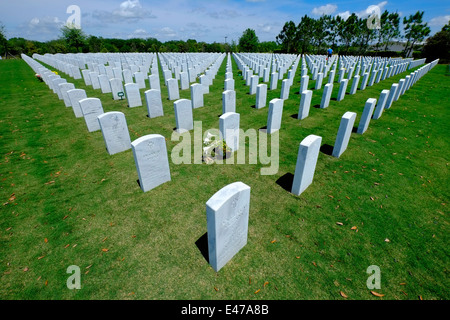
203,20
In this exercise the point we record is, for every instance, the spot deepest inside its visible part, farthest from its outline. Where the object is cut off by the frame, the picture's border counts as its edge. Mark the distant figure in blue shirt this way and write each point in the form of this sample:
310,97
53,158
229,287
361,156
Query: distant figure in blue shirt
329,52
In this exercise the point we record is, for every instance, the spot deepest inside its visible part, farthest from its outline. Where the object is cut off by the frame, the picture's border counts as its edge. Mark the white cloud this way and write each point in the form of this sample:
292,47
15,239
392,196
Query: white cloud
372,9
129,11
439,21
41,28
166,32
344,15
326,9
139,33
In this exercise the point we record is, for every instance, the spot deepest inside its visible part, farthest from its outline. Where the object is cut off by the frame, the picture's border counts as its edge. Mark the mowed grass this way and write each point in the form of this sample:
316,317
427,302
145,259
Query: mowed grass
65,201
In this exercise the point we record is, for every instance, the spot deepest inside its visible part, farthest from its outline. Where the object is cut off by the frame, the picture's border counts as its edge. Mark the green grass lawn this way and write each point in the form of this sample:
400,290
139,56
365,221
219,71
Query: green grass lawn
65,201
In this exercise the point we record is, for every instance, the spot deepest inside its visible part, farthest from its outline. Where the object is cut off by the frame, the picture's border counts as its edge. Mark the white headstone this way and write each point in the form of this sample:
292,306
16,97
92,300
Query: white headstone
227,213
344,132
308,152
75,95
229,128
154,82
229,84
253,83
172,88
273,81
228,101
116,87
94,80
154,103
104,83
197,95
326,95
183,115
133,95
91,109
63,88
342,89
115,131
366,115
381,104
140,79
127,76
285,87
392,93
152,162
184,80
261,95
274,116
304,83
305,104
354,84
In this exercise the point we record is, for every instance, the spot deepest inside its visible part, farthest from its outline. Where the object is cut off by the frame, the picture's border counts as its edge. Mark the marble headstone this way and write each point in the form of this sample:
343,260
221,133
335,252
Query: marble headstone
183,115
229,129
75,95
91,108
274,115
154,103
308,152
305,104
151,159
115,131
227,215
344,132
133,95
366,115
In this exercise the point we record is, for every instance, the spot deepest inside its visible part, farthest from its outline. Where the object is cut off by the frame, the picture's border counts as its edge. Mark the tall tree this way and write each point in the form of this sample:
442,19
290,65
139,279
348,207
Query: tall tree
321,31
415,31
438,46
3,41
74,38
390,29
363,34
347,30
248,42
287,38
305,33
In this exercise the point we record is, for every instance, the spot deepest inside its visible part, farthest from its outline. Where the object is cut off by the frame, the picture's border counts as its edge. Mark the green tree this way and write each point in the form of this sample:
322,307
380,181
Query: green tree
3,41
389,29
321,31
363,35
268,46
347,29
415,31
438,46
287,38
305,33
74,38
248,42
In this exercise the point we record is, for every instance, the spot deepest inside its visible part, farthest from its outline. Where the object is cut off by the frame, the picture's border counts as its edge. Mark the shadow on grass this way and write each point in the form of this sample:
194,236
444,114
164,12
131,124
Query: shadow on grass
202,245
285,181
326,149
295,115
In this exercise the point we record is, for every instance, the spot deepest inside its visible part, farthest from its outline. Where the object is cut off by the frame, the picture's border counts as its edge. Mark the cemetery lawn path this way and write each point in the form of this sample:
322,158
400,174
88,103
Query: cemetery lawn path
384,202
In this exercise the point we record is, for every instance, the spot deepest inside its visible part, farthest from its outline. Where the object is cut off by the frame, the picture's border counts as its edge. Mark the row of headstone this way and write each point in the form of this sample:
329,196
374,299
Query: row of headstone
227,211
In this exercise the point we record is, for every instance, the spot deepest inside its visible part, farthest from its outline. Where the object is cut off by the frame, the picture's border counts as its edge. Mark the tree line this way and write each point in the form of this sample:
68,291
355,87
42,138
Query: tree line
73,40
353,35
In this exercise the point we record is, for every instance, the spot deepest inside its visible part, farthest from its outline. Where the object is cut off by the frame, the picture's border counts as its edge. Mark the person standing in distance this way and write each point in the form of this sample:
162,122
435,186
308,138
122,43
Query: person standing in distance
329,52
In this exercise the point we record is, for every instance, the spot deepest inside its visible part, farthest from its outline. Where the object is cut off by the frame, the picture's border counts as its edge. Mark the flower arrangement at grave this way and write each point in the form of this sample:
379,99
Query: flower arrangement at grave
214,148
